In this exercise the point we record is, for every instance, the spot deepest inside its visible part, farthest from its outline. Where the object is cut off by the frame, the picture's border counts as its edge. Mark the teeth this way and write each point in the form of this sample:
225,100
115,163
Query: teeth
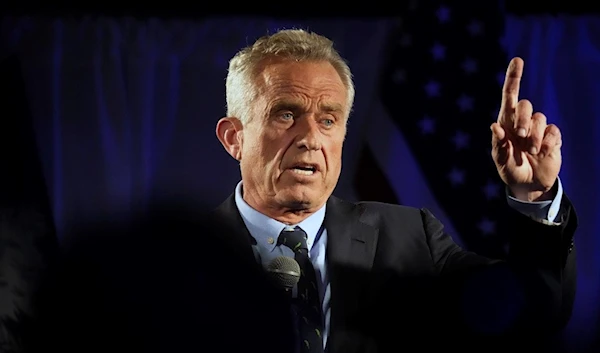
303,172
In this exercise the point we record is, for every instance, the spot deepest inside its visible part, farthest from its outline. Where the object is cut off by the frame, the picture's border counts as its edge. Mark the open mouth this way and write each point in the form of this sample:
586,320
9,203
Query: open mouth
304,169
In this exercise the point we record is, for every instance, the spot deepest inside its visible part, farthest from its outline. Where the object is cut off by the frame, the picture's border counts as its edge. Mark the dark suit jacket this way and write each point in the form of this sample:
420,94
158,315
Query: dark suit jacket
399,283
177,282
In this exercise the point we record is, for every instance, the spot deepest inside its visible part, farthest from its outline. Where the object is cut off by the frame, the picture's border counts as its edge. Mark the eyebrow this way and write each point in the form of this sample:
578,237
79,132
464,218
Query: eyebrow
295,105
285,105
332,107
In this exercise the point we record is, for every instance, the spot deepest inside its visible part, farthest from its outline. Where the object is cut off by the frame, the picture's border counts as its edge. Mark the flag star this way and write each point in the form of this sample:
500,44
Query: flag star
427,125
487,226
456,176
438,51
443,14
405,40
399,76
461,140
475,28
432,88
470,66
465,103
491,190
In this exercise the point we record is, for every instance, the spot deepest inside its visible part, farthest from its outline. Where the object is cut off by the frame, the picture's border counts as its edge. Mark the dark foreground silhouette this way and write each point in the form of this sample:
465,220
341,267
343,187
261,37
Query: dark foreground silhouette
173,281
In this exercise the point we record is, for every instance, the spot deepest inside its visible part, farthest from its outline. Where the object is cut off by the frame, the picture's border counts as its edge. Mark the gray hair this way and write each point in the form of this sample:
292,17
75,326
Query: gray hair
295,44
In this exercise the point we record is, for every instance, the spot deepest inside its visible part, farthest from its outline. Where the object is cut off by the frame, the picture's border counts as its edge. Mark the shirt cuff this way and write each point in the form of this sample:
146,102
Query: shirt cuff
539,210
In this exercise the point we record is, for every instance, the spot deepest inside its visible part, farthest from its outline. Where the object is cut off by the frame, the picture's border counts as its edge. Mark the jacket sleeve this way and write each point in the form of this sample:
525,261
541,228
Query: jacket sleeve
533,288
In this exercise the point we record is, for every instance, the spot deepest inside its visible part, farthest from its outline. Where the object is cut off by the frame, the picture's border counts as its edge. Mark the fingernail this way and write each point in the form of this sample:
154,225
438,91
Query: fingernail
534,150
522,132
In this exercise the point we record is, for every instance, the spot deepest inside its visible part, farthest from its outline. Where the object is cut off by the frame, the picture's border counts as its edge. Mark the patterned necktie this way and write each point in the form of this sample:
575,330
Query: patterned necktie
308,303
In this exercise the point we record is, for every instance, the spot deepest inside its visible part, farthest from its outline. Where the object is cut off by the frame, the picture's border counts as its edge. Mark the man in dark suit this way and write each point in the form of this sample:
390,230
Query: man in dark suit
385,276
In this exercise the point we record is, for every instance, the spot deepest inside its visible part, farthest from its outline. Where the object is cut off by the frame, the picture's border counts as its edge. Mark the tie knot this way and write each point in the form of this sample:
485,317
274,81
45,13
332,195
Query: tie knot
293,238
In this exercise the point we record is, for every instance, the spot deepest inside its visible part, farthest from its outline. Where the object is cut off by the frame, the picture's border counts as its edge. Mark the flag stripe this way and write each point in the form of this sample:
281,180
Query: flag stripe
402,171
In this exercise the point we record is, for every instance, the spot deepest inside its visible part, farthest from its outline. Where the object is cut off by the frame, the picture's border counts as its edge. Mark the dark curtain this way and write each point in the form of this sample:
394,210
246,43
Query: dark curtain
125,109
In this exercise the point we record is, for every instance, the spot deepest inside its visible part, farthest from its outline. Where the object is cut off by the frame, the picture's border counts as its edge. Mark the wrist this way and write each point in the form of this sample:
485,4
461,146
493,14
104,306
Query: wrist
527,195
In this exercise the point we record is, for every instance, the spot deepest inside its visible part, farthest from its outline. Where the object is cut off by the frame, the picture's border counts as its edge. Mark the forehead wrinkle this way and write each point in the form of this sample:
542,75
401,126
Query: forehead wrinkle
287,91
284,87
280,76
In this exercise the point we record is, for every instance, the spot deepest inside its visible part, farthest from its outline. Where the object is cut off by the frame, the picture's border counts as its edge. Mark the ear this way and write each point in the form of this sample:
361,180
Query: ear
229,132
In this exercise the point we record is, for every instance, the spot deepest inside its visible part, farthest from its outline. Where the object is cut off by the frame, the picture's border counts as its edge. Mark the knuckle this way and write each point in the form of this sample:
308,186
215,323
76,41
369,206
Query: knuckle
525,104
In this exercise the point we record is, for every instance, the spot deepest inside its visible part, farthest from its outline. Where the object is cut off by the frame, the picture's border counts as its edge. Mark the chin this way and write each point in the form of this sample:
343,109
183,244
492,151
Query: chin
300,200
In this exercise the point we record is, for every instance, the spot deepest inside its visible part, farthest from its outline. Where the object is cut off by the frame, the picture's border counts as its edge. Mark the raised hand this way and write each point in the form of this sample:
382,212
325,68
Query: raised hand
525,148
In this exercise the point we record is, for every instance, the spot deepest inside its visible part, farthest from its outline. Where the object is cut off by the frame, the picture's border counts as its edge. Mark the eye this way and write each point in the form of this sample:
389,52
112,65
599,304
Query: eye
287,116
328,122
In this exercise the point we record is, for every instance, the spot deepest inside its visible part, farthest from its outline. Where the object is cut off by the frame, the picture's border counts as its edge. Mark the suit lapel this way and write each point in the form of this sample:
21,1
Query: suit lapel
351,242
351,247
232,229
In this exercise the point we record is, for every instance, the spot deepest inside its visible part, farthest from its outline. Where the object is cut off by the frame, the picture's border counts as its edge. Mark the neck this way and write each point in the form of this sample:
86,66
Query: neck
285,215
290,216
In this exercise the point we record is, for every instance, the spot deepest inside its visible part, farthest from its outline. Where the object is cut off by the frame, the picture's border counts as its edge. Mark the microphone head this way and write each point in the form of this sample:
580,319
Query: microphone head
284,271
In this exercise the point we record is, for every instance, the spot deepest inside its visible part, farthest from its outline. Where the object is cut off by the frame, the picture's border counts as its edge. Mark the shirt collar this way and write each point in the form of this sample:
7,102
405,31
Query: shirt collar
266,230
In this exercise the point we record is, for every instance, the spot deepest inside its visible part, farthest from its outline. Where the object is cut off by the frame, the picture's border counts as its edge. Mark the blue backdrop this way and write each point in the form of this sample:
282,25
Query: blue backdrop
562,79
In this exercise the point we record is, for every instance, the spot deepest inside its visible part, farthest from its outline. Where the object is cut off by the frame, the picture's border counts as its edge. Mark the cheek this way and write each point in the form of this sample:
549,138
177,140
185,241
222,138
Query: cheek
333,157
270,153
334,147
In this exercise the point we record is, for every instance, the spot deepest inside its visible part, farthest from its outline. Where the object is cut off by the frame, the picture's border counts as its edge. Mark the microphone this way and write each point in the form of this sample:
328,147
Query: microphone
285,272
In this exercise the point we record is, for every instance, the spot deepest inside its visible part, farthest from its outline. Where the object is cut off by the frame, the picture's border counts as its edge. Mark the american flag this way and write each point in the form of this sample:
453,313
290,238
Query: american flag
430,144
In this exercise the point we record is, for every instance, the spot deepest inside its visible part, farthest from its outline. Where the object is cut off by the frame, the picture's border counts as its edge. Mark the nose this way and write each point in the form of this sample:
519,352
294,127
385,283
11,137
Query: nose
309,135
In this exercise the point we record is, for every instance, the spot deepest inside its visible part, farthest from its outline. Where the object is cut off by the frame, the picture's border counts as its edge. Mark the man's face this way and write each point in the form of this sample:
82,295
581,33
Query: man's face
291,149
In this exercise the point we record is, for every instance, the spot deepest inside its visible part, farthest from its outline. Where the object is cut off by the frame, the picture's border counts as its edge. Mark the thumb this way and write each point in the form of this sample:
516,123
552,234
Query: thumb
498,135
500,144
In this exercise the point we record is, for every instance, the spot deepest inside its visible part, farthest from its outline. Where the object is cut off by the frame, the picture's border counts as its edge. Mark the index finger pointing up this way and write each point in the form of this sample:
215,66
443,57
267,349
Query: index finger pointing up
510,91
